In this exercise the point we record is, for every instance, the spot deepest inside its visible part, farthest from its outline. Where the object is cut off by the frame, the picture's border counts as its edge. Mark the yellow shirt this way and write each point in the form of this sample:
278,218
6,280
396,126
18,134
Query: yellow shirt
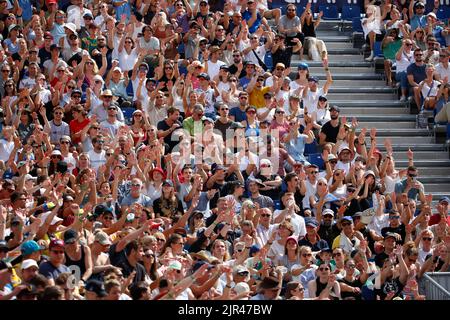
257,97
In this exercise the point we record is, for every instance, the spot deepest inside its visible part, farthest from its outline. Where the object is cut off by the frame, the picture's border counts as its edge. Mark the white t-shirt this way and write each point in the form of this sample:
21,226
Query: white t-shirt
405,60
260,51
5,149
297,221
310,191
311,99
214,67
127,61
97,159
443,72
426,92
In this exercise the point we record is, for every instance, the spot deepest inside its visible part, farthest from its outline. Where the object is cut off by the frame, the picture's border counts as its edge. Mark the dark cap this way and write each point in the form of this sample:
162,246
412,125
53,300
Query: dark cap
88,14
101,209
224,67
167,183
336,108
314,79
268,94
444,199
96,286
347,218
323,98
70,236
54,46
311,222
203,75
248,62
74,91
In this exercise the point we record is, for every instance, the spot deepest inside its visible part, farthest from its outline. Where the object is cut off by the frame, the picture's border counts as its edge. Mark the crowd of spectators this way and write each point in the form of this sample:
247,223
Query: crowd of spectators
148,152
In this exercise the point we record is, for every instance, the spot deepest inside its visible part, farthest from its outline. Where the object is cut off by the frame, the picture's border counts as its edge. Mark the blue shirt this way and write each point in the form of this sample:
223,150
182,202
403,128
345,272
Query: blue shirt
238,114
247,16
143,200
122,9
49,271
27,12
412,193
418,21
418,72
296,147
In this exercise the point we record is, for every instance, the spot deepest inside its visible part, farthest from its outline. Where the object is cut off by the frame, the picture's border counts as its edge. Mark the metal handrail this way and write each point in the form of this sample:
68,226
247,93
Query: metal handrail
435,283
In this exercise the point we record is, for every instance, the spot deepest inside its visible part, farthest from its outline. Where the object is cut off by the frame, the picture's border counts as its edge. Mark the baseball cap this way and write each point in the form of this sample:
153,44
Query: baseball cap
311,222
13,26
302,66
28,263
167,183
444,199
323,98
419,4
254,249
88,14
175,264
102,238
432,14
347,218
203,75
56,243
97,287
391,235
29,247
336,108
70,236
331,157
328,212
313,79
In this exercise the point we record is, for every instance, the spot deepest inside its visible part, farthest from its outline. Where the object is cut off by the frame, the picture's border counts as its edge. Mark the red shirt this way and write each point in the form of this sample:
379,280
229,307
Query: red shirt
76,127
436,218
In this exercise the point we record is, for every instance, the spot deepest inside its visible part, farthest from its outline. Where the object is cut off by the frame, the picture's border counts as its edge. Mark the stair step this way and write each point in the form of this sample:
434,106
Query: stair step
372,104
338,51
350,111
428,171
399,132
422,155
434,179
342,70
341,57
334,64
436,187
416,147
327,38
385,118
374,89
439,195
387,124
425,163
343,76
348,83
386,97
408,140
339,45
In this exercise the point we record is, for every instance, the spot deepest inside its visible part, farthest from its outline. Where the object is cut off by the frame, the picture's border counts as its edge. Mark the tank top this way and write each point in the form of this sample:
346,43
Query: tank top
308,29
251,132
79,263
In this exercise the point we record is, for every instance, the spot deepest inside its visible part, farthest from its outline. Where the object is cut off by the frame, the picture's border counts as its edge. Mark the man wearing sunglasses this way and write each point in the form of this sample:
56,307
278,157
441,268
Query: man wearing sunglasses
411,186
396,225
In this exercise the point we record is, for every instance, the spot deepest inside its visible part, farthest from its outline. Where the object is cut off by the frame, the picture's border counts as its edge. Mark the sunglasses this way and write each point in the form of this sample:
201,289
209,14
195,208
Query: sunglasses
324,269
58,251
306,255
64,142
345,224
160,240
251,112
394,217
112,109
265,215
427,239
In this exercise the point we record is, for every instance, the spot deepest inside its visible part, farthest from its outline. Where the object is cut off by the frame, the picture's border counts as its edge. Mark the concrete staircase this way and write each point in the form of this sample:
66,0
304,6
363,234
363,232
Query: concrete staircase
362,93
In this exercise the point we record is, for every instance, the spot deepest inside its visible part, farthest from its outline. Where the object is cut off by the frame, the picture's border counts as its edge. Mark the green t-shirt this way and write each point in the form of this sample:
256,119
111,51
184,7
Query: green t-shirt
391,49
